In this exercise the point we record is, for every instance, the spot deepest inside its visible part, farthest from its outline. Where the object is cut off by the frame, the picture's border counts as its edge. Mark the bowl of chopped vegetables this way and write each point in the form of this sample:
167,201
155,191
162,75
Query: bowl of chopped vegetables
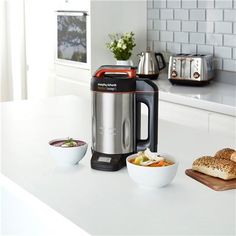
151,169
67,151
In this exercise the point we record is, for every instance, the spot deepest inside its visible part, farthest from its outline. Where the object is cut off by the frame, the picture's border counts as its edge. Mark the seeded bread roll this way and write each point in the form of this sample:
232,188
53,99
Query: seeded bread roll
233,157
217,167
224,153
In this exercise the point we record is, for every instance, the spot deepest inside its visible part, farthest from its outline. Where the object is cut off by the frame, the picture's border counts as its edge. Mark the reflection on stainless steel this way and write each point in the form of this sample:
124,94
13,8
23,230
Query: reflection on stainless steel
113,127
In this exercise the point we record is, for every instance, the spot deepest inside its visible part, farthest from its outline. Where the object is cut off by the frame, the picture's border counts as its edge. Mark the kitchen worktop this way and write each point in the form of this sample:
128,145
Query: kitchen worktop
216,97
108,203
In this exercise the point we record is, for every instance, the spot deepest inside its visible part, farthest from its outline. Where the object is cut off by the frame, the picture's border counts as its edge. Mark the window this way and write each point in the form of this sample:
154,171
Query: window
71,38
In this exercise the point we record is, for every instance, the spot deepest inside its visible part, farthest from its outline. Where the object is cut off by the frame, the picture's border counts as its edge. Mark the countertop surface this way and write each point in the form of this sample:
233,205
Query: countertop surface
109,203
216,97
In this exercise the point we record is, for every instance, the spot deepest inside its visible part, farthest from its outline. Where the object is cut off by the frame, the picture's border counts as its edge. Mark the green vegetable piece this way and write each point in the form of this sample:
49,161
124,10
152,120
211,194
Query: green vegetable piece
138,160
70,143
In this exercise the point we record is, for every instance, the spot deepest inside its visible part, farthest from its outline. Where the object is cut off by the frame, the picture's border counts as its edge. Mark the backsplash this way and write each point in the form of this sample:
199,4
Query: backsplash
194,26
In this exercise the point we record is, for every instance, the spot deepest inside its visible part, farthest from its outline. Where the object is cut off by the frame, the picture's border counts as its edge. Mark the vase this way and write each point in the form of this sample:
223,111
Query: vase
124,62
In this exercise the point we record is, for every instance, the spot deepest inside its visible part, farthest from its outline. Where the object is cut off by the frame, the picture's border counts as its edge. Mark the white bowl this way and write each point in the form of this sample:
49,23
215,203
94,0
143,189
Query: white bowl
66,156
152,176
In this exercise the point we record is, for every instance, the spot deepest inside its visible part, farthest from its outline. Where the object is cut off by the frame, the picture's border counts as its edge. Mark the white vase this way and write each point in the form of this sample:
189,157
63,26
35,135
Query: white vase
124,62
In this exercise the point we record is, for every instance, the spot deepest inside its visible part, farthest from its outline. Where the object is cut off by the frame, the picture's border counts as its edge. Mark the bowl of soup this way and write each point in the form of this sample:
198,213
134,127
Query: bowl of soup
150,169
67,151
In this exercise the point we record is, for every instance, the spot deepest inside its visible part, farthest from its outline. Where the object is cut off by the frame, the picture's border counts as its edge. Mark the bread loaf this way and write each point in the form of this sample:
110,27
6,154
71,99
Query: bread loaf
233,157
217,167
224,153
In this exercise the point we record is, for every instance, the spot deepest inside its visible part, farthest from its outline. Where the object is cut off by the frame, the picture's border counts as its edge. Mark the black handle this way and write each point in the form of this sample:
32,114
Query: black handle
147,93
160,55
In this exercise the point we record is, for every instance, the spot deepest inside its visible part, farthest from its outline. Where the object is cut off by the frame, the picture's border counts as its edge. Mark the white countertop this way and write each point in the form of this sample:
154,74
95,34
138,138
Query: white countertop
108,203
216,97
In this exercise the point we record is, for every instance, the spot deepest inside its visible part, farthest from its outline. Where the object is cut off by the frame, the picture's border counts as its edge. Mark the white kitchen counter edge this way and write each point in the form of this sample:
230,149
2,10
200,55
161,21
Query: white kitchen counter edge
216,97
44,219
196,103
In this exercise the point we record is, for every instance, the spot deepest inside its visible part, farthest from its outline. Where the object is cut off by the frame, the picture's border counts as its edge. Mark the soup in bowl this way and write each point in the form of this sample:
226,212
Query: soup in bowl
67,151
151,169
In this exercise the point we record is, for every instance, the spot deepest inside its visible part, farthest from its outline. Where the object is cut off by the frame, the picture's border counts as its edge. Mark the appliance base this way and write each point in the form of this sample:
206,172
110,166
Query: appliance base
189,82
108,162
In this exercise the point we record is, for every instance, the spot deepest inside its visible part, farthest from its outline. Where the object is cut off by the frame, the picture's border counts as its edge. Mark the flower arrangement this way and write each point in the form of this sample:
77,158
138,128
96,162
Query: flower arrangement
121,45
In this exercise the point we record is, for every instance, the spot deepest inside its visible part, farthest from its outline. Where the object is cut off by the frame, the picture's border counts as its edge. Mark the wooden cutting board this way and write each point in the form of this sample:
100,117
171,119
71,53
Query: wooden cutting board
212,182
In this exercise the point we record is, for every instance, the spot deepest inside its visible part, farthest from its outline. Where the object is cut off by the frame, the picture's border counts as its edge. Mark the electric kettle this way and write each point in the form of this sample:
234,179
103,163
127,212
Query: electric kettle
150,64
117,95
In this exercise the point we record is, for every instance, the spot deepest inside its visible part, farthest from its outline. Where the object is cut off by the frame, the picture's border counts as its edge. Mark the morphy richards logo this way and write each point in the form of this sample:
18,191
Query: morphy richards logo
107,85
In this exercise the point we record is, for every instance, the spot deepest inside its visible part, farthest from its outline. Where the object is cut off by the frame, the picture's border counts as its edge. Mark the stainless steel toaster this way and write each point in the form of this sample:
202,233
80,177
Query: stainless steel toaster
191,69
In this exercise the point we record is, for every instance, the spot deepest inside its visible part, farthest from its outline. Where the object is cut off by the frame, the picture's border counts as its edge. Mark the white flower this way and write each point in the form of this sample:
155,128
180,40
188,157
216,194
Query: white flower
120,43
127,35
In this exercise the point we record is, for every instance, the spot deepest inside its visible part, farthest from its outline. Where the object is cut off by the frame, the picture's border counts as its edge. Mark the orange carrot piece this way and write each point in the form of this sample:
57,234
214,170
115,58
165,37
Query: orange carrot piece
160,163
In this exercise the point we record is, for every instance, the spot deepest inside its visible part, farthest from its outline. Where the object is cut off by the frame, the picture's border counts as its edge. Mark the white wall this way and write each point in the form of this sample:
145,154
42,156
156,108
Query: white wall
116,17
195,26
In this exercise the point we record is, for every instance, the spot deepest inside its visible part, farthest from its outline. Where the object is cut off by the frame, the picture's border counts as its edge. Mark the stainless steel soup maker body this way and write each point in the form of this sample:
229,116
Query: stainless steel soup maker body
113,123
116,116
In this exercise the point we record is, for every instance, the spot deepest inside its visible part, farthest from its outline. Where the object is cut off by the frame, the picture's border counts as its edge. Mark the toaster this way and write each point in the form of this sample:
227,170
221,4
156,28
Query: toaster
190,69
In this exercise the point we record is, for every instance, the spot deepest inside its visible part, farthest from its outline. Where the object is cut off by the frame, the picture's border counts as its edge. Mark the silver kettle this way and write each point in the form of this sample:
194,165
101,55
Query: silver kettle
150,64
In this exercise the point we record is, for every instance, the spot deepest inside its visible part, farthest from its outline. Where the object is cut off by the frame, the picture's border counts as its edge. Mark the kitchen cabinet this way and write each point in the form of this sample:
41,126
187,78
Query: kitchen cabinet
65,86
204,120
39,33
183,115
219,123
211,108
104,18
